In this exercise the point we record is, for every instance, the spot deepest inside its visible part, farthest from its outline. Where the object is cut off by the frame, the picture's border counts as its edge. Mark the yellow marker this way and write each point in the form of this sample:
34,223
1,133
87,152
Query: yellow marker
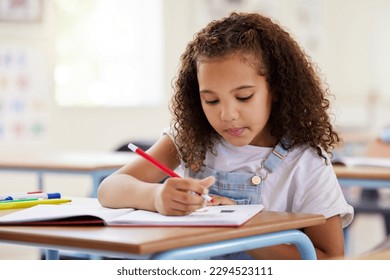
30,203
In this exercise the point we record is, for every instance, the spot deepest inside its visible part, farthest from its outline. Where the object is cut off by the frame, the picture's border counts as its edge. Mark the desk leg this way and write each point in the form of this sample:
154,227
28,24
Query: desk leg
52,254
203,251
97,177
40,180
96,180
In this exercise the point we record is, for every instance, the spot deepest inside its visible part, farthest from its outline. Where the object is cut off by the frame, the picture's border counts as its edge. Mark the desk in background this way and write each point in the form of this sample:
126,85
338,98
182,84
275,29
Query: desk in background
265,229
98,165
375,255
381,252
367,177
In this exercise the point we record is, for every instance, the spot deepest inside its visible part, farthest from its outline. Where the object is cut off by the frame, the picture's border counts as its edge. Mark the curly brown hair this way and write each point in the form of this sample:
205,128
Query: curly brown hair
301,110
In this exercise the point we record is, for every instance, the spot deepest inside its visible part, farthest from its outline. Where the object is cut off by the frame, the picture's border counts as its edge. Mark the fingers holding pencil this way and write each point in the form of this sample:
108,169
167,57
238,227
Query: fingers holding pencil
177,195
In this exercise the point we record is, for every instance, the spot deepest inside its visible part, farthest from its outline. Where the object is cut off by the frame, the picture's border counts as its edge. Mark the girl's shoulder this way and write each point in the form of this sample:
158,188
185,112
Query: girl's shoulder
309,157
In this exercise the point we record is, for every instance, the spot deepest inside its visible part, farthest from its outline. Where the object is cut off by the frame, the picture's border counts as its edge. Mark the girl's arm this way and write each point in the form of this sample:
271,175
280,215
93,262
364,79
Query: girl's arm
327,239
136,185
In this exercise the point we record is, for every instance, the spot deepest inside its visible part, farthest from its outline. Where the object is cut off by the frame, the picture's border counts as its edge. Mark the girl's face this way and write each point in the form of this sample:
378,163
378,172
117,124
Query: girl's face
236,100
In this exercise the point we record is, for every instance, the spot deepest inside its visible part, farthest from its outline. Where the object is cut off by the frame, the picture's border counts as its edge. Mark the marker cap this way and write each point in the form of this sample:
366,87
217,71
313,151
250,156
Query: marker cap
53,195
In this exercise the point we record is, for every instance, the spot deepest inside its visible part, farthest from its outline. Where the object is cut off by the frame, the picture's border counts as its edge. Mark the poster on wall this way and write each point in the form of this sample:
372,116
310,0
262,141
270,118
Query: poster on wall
207,10
302,18
22,11
23,95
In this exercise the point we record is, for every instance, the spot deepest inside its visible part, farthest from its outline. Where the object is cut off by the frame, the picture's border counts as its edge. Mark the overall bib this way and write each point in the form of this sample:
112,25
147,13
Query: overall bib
243,188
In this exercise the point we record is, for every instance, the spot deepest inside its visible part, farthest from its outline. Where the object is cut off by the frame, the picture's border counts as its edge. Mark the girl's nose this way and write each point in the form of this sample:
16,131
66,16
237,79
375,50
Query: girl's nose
229,113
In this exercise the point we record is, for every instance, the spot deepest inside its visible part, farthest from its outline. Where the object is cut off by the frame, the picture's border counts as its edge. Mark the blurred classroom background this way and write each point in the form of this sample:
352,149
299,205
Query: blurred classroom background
91,75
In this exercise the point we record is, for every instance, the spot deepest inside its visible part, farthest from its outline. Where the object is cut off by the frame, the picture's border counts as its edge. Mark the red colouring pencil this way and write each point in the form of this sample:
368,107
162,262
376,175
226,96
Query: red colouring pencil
158,164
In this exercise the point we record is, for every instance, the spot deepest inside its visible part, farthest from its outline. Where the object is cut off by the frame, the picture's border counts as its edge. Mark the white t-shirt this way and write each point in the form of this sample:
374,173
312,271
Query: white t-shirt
302,182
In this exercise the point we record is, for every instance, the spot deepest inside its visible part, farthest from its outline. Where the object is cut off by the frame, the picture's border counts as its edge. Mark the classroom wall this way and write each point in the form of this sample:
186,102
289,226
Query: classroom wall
353,57
357,62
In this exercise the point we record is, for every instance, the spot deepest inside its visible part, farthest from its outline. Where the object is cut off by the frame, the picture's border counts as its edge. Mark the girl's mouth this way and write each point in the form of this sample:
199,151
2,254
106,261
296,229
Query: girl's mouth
235,131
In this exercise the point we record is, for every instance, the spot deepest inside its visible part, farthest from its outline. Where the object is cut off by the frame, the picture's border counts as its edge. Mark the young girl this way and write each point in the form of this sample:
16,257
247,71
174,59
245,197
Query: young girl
250,125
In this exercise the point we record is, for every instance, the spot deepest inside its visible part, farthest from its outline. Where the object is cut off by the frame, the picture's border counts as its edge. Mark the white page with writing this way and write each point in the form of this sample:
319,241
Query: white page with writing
226,215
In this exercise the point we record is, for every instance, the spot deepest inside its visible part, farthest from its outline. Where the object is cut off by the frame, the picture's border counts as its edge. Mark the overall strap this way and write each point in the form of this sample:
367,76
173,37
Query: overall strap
278,154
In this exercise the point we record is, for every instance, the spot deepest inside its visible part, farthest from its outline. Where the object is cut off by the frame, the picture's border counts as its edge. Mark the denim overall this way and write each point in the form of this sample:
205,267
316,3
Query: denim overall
243,188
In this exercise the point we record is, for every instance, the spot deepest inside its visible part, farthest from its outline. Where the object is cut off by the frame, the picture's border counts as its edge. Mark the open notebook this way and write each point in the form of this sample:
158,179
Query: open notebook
228,215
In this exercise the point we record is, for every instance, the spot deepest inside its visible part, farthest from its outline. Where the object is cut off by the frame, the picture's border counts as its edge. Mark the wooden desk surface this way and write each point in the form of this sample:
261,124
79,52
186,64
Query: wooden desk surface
375,255
76,161
360,172
148,240
383,254
380,252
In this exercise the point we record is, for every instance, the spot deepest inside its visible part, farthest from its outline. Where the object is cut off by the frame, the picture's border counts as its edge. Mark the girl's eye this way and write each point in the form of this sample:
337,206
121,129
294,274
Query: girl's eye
211,102
243,99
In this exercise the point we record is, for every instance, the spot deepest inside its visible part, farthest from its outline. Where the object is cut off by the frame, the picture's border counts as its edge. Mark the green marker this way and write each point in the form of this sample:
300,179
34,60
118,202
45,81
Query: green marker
18,200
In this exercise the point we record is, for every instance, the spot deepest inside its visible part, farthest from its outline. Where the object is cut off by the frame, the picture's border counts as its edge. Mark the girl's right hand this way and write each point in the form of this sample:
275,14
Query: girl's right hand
178,196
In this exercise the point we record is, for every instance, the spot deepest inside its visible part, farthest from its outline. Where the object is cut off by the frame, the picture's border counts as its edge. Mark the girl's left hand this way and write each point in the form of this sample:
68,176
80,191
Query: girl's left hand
220,200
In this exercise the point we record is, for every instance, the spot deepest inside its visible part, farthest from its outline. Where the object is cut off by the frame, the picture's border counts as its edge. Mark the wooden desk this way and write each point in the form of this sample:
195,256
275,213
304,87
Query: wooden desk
375,255
265,229
368,177
96,164
381,252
